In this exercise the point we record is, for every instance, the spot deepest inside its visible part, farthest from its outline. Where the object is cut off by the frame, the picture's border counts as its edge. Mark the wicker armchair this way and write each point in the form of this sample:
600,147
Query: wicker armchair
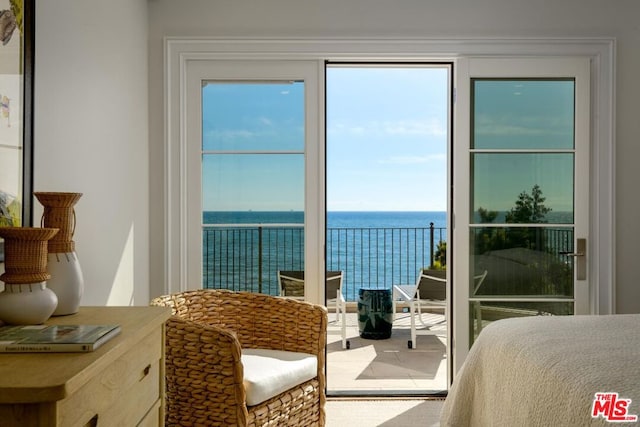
204,342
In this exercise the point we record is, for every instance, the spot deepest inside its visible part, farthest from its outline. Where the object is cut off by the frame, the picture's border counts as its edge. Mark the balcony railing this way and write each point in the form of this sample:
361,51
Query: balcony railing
248,256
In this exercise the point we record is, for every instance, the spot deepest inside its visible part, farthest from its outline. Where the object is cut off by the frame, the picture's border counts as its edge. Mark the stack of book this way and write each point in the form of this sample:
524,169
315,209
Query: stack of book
55,338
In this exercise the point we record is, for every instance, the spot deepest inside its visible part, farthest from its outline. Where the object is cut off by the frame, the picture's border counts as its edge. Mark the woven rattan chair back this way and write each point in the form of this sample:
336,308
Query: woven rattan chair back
204,342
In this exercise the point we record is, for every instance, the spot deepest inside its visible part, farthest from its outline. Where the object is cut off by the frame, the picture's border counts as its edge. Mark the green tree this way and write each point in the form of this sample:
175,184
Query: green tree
490,238
440,256
547,275
529,208
487,216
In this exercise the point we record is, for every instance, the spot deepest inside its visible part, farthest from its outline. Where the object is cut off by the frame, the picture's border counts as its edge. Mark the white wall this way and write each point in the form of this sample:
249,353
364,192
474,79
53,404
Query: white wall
92,80
91,136
417,18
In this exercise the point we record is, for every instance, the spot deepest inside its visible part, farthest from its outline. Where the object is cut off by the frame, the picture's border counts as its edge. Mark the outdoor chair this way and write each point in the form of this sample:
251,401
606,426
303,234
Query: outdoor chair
496,311
479,280
244,359
429,291
291,285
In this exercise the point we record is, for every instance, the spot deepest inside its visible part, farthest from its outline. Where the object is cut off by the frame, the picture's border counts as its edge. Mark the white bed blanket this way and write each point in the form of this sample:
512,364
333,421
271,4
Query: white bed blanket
546,371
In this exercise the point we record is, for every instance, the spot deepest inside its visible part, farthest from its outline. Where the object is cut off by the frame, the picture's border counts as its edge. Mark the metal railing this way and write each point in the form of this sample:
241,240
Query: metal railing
380,257
247,257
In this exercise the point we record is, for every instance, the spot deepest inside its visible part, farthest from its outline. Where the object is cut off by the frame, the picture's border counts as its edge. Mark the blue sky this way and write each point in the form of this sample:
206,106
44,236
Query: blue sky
387,131
386,142
387,139
264,117
532,114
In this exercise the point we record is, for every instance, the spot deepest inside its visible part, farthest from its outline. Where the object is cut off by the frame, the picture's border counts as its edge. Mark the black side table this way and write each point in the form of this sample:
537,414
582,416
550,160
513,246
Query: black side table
375,313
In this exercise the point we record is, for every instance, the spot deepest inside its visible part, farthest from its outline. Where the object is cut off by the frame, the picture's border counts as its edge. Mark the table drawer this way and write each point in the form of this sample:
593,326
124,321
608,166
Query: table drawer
135,403
153,417
122,393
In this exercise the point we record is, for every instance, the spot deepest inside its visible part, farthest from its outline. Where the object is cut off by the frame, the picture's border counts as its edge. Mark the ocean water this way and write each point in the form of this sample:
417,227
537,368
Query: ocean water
374,249
245,250
334,219
386,219
251,217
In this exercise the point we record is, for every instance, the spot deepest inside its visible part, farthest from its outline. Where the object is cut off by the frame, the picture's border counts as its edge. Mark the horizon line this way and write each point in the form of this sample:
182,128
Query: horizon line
292,210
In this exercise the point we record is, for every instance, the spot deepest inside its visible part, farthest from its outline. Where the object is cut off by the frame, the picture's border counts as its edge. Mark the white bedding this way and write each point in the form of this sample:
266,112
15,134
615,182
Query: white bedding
545,371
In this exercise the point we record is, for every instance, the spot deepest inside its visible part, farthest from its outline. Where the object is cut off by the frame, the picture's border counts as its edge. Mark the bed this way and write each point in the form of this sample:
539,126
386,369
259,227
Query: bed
546,371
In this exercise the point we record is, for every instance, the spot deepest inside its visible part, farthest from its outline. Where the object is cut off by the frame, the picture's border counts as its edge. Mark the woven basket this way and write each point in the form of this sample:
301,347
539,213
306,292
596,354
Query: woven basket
204,342
59,213
25,257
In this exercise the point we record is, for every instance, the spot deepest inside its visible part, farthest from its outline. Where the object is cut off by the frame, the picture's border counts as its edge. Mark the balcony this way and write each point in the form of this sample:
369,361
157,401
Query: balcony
525,261
247,257
387,367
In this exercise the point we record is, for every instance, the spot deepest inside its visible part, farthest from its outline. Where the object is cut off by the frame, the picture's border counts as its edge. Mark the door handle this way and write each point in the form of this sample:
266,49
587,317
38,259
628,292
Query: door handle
571,254
580,256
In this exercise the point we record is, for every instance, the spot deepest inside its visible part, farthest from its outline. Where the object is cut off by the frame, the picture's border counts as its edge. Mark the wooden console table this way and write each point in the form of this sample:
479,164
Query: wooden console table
119,384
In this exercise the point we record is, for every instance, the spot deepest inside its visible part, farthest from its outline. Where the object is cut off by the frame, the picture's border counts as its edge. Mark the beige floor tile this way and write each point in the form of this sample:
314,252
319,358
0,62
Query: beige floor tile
387,366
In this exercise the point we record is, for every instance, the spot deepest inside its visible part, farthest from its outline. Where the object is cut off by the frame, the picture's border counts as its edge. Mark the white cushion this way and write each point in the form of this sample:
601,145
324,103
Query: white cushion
268,373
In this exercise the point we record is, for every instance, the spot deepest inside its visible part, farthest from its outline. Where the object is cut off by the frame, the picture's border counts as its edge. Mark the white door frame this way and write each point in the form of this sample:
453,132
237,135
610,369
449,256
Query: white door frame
601,51
540,67
198,71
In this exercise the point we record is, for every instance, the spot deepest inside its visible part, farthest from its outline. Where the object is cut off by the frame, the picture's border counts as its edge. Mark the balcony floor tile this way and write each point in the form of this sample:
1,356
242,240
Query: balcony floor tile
381,367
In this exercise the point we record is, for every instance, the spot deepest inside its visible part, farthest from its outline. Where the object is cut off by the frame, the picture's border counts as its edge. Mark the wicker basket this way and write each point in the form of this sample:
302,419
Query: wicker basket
25,258
204,341
59,213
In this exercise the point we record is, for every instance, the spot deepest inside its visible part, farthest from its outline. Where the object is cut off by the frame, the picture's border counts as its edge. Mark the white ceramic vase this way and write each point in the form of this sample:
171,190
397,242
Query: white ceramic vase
27,303
66,279
26,299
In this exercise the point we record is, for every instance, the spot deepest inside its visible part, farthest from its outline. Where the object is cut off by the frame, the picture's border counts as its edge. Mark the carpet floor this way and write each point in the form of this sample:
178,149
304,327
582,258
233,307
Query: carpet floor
383,412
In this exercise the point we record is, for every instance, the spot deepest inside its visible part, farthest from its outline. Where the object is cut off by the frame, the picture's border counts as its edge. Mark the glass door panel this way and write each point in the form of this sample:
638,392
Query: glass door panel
523,261
522,199
522,187
523,114
253,183
253,116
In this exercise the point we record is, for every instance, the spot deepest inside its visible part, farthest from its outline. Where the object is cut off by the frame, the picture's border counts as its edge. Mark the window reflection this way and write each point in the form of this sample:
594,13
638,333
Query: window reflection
523,114
253,116
504,181
523,261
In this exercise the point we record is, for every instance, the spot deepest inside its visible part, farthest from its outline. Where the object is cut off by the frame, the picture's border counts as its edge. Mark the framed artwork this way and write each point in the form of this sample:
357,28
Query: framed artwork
16,112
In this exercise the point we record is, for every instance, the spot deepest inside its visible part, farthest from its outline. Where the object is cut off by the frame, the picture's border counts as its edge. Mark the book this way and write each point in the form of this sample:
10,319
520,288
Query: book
55,338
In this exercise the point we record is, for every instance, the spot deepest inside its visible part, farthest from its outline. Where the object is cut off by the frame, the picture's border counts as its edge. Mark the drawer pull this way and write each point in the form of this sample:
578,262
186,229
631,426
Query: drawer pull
145,372
93,422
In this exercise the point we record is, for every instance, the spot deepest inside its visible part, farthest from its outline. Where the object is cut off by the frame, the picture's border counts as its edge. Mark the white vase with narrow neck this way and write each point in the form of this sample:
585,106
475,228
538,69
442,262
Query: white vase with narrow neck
26,304
62,263
66,281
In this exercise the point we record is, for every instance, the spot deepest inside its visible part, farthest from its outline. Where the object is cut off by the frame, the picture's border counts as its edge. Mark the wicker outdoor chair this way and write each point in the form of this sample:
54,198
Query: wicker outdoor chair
205,339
